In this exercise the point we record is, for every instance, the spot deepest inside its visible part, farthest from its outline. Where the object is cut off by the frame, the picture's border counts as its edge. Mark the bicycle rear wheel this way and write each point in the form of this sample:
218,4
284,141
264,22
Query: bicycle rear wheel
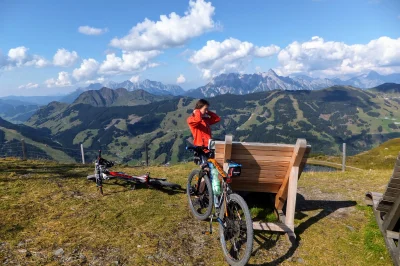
237,234
200,196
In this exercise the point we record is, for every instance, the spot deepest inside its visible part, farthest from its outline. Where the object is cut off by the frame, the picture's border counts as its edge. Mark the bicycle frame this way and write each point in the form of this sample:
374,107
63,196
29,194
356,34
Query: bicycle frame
102,173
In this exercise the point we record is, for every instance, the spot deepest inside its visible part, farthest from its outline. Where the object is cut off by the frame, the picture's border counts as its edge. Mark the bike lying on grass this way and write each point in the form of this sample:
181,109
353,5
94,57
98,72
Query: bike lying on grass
102,173
232,212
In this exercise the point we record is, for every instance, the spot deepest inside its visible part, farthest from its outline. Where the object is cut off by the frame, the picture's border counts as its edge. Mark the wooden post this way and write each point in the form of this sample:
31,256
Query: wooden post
295,161
291,198
344,158
147,153
23,149
83,154
228,151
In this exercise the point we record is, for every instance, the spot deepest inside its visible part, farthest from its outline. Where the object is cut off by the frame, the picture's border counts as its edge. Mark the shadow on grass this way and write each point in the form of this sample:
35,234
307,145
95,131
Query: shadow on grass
56,170
132,186
267,240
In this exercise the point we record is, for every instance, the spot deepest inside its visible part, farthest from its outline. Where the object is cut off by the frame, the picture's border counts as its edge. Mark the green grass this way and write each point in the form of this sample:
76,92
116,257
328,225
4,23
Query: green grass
382,157
45,206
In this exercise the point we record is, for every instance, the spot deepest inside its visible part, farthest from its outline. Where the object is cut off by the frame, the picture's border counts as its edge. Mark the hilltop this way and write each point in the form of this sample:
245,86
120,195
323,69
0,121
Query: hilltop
119,97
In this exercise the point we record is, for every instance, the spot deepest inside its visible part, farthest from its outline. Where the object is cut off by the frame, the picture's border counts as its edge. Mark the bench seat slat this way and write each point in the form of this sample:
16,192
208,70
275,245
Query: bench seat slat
262,153
239,186
259,158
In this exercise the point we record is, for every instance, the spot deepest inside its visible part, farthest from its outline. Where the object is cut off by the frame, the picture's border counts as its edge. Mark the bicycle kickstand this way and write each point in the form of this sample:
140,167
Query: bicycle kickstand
209,232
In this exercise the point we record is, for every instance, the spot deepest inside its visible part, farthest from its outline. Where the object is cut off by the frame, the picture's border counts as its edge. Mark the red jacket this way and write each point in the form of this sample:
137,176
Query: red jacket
200,126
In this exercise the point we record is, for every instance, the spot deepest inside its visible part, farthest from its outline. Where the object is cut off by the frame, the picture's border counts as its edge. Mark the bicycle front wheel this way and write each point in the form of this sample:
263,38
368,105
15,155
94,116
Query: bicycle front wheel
236,235
200,196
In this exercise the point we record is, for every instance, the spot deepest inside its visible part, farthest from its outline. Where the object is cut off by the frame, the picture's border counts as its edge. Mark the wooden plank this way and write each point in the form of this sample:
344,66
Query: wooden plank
291,198
238,186
389,199
394,191
261,152
227,151
297,157
392,217
390,245
392,234
257,168
384,207
252,163
396,174
394,185
256,146
274,227
258,180
259,158
262,172
304,160
373,198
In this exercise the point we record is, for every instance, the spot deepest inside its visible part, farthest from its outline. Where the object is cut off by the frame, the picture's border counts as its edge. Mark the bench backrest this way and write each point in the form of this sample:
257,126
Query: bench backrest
392,191
265,166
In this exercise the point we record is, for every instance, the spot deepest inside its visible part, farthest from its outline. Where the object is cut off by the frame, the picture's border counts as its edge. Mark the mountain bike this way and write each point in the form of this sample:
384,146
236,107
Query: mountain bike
101,173
232,212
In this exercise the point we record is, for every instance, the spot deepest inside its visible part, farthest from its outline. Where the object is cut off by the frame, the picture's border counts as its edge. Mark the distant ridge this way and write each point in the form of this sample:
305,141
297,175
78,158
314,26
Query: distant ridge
119,97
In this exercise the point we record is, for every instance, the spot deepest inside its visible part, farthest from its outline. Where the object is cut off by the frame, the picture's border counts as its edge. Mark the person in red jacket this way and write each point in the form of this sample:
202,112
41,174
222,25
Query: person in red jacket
200,121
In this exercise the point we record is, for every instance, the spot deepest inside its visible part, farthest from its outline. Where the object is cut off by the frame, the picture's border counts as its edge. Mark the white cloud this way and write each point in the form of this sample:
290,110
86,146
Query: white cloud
135,79
30,85
62,80
169,31
65,58
337,58
181,79
87,70
87,30
128,63
98,80
231,55
19,57
18,54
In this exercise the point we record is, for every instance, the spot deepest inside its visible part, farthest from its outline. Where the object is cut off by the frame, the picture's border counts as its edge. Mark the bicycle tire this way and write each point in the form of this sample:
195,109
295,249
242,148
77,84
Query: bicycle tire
193,209
249,232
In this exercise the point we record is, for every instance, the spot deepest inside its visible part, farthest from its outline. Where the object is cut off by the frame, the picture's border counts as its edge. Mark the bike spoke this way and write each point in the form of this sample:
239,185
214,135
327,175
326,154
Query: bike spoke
235,232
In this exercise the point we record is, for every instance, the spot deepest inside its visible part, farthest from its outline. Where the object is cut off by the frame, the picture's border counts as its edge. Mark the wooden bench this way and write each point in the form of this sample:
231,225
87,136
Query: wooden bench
267,167
386,208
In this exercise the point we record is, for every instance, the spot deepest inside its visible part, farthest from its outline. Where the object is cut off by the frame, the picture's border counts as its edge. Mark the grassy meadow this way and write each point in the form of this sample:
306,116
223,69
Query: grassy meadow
51,215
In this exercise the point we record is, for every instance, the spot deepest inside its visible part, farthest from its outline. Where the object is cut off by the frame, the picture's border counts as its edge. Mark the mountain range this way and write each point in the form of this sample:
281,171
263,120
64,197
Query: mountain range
19,109
326,118
153,87
235,83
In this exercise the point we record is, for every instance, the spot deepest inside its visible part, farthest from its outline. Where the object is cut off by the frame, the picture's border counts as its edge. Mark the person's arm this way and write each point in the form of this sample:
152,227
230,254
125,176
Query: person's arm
214,118
195,119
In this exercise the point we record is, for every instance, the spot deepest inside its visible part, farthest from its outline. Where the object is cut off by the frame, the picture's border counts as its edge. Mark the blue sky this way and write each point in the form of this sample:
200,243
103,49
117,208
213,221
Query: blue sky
203,39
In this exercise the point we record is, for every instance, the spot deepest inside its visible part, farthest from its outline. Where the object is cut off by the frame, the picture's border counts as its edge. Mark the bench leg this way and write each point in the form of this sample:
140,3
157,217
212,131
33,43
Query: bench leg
291,199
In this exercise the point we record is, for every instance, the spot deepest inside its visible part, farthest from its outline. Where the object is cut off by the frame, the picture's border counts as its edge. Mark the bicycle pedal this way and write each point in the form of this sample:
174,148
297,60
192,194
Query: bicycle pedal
206,233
